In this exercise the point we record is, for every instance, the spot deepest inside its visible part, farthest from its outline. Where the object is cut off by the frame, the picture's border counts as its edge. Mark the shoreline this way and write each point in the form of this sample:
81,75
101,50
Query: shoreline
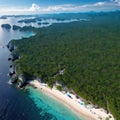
83,111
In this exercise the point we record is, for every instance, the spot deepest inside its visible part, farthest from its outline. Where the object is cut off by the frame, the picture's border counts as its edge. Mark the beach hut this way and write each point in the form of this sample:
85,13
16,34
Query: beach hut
68,94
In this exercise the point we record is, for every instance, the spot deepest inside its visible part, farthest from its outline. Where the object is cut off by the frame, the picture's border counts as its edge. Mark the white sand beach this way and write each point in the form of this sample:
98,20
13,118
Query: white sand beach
88,112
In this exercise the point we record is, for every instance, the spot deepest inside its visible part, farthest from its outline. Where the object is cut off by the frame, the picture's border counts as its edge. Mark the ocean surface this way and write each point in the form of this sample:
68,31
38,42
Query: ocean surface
27,104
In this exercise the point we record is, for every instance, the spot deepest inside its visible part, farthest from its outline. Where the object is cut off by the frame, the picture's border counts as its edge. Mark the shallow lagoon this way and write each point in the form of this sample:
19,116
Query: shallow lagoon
51,105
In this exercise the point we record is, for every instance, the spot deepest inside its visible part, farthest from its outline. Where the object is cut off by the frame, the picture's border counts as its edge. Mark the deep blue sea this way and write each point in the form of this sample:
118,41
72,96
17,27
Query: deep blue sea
27,104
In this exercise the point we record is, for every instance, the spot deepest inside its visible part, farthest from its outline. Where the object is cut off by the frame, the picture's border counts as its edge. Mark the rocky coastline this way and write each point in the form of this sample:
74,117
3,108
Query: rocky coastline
15,78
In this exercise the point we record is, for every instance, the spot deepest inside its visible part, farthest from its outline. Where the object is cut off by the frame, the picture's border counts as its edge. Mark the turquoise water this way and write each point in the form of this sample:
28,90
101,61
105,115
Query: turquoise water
51,106
28,104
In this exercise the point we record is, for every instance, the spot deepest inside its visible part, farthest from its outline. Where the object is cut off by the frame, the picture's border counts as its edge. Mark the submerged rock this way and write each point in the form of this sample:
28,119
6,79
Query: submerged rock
39,23
9,59
45,23
11,66
27,21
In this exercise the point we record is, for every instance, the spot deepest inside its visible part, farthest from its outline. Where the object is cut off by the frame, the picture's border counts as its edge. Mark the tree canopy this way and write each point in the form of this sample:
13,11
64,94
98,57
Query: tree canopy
89,51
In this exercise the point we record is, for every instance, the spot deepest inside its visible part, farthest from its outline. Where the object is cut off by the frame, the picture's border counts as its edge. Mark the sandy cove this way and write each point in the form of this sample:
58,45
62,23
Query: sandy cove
73,104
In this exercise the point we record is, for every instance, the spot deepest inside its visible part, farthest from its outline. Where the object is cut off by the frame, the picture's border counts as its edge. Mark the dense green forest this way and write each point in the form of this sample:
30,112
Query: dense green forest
89,51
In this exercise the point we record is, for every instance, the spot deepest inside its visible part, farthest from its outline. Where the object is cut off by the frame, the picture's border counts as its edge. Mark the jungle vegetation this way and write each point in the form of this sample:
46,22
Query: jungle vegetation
88,51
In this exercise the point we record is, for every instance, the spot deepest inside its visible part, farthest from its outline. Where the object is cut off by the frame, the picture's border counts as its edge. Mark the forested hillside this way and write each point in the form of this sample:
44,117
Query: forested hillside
88,51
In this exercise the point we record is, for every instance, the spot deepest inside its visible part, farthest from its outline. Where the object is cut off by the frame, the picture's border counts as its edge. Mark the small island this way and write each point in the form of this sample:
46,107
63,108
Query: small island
6,26
15,27
3,17
39,23
58,19
27,21
43,23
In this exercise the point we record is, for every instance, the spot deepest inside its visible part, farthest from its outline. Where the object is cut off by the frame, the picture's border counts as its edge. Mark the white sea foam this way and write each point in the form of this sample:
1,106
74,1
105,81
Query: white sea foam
9,82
